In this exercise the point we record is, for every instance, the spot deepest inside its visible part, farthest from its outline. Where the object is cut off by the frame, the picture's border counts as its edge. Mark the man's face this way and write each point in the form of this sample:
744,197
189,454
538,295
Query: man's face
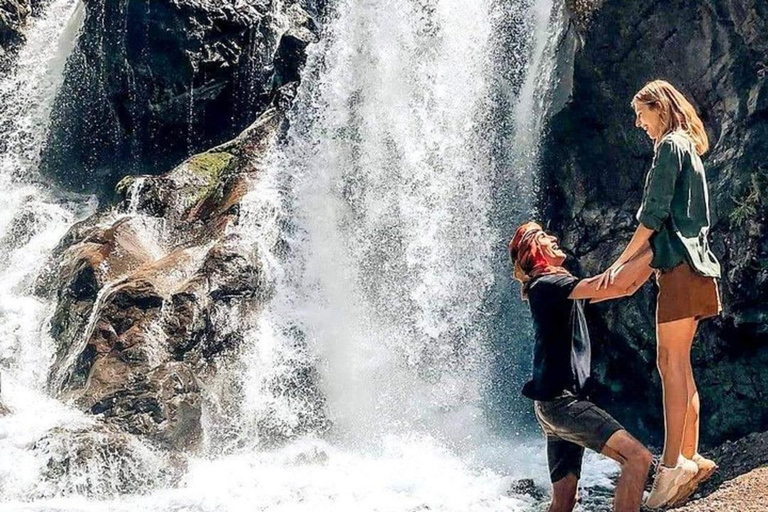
551,251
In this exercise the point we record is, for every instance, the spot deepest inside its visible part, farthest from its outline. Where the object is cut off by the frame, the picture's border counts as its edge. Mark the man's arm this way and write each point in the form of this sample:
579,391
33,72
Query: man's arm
640,241
628,279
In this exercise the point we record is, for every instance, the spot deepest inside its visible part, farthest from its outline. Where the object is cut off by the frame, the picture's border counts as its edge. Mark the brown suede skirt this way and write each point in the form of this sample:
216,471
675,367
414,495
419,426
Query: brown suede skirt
685,294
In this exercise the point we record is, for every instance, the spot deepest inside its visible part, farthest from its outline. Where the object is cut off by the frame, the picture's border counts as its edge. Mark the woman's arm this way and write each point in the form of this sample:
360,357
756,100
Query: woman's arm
639,242
628,279
655,207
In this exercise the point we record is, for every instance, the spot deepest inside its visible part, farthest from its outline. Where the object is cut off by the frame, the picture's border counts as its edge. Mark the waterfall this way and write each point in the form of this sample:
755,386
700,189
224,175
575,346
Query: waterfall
389,178
32,220
377,221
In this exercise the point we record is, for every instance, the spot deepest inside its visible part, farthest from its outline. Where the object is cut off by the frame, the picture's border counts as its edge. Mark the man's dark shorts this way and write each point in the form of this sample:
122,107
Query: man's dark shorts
572,425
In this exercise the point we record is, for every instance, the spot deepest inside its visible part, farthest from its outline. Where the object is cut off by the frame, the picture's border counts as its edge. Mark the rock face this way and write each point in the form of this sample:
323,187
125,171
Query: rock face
151,83
592,175
13,14
745,493
741,481
151,293
13,17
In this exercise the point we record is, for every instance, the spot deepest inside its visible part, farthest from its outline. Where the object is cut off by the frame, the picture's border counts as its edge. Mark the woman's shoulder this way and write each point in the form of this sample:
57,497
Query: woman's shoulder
678,141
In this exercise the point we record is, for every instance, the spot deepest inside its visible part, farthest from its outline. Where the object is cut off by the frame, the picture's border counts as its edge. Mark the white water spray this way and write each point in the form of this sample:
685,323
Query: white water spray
32,221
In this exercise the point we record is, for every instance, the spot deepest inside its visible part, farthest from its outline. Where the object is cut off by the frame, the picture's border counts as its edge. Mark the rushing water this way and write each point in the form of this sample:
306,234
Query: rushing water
32,219
378,218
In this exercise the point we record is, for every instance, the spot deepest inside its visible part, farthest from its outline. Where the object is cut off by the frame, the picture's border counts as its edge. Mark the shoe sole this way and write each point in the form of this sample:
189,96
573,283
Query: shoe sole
667,502
687,490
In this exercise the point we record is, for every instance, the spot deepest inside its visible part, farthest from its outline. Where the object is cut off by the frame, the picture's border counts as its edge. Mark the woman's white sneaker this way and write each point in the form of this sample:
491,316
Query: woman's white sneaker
668,482
706,469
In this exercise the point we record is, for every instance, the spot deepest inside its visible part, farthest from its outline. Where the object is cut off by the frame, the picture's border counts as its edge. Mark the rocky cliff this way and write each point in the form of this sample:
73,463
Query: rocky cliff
151,83
13,14
13,19
593,165
155,292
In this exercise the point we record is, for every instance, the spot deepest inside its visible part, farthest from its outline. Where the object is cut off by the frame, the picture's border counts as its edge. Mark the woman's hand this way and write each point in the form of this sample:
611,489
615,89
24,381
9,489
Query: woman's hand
608,277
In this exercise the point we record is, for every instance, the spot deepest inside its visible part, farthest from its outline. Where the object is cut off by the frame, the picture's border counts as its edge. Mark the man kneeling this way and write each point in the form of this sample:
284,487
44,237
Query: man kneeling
561,369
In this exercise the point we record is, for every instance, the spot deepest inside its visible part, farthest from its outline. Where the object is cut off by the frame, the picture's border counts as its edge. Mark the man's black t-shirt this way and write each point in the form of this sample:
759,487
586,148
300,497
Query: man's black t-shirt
562,352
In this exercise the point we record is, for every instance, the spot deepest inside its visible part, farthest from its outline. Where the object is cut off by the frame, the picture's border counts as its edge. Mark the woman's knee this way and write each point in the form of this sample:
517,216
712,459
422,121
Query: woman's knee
671,360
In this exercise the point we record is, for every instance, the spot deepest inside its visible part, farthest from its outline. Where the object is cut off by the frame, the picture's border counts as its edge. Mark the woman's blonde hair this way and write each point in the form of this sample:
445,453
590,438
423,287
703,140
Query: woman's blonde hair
676,112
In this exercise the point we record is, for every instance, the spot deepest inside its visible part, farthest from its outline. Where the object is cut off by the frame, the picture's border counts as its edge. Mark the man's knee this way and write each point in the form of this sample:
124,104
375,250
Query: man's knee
642,457
627,450
638,456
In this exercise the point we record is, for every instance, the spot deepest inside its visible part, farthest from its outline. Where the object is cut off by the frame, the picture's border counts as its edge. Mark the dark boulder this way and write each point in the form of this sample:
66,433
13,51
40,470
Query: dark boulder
151,83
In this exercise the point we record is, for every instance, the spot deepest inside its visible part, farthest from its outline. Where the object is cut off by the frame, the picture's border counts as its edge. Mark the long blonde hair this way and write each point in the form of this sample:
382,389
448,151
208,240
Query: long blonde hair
677,113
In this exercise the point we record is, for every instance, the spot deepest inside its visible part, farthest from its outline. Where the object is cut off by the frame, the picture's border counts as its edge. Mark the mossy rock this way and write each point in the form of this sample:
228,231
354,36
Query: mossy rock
124,184
210,166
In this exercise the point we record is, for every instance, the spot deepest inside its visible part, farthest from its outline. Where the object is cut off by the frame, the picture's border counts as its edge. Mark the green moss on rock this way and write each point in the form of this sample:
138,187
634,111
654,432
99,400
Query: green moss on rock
124,184
210,165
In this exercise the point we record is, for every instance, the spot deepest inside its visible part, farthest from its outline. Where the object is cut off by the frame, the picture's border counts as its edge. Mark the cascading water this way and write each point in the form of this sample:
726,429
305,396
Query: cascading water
32,221
376,218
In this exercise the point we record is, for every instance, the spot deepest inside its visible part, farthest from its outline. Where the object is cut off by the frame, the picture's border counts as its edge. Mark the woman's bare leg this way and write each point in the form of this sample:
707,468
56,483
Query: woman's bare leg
673,359
691,432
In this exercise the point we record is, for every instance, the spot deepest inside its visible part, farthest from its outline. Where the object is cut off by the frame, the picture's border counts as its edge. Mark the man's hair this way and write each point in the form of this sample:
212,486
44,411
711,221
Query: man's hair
527,257
675,110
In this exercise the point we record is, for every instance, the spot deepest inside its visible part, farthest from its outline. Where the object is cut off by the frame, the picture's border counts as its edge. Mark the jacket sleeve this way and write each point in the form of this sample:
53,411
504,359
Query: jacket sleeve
660,186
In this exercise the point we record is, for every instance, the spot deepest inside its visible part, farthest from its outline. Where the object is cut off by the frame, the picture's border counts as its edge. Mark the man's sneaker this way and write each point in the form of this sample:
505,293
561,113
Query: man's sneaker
668,481
706,469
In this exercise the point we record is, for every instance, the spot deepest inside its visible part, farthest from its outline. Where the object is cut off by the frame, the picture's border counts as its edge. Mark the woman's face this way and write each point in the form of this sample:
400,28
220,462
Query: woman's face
649,119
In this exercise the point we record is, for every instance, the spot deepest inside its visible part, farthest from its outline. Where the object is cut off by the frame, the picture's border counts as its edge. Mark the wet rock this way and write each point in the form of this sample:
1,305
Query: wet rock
151,83
526,487
594,163
101,461
13,15
162,404
156,292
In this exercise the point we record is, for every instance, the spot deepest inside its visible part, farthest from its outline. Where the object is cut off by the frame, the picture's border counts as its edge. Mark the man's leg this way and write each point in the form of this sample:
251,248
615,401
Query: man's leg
564,460
635,461
564,494
582,423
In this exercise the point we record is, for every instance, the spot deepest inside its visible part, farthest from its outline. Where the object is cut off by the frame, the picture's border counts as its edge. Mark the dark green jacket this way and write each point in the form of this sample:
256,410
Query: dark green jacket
676,206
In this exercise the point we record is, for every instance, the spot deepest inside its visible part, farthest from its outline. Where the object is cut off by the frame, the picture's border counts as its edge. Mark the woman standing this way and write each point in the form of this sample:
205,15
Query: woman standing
675,218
